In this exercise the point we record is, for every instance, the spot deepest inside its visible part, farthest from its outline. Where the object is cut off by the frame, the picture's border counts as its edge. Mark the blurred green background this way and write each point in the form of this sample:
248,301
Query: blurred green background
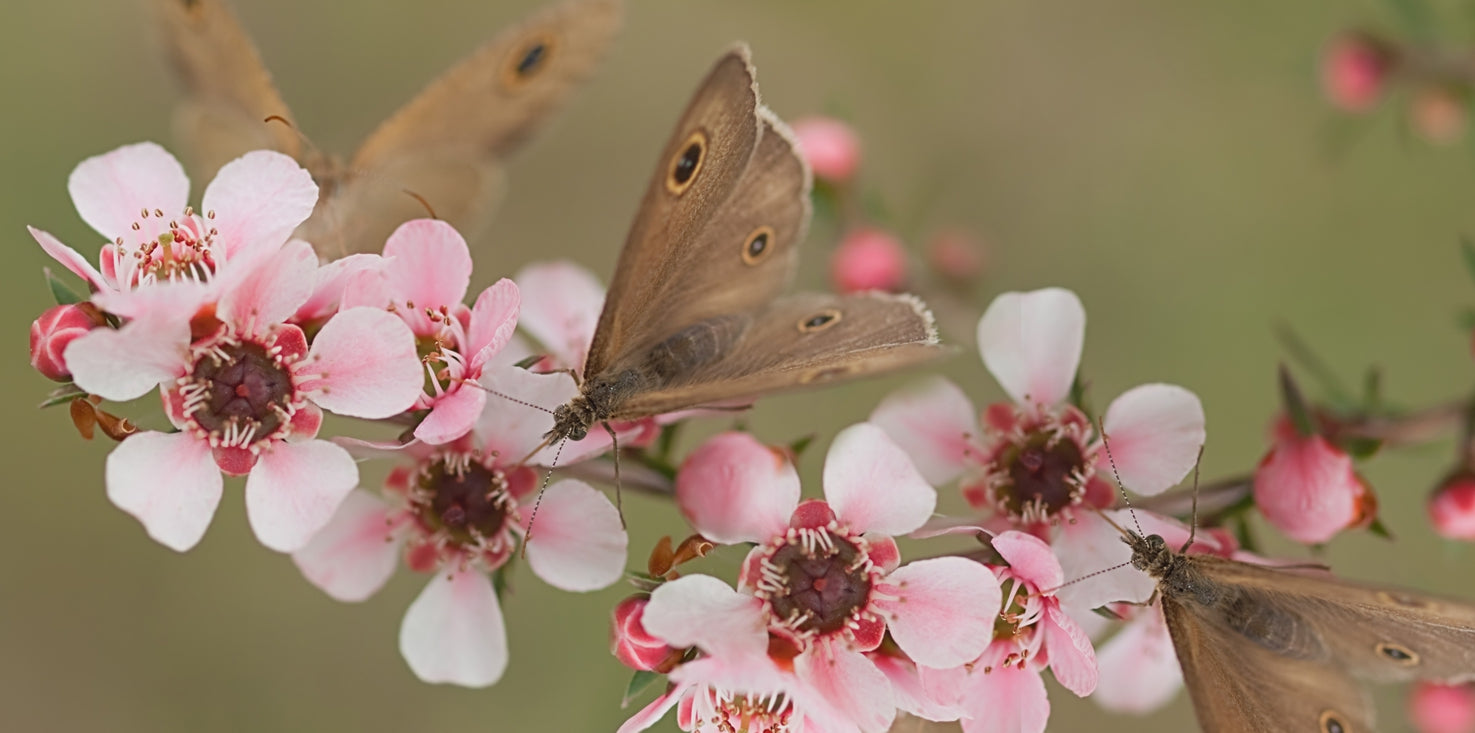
1165,160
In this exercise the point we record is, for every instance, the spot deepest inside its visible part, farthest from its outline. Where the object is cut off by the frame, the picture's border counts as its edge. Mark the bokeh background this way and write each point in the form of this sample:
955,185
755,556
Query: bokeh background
1166,160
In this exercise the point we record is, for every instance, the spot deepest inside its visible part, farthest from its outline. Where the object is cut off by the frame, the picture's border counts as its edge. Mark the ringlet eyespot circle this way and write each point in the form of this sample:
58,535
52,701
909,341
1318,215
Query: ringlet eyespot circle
758,245
1332,722
820,321
528,60
687,163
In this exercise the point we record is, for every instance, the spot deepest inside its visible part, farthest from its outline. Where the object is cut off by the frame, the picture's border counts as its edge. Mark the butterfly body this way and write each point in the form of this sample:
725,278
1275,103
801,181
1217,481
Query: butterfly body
1265,649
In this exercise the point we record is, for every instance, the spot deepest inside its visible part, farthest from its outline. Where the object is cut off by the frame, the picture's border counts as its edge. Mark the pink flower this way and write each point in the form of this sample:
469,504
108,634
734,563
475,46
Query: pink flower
1036,459
425,276
1438,708
831,147
1452,507
1438,114
1001,691
1138,666
53,331
825,582
957,256
1355,70
459,511
635,647
868,259
1306,488
561,306
246,393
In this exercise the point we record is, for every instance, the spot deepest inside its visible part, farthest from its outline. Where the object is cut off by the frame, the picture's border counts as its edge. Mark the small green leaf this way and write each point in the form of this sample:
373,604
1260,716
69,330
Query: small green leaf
639,683
1361,448
63,395
1295,404
1244,535
1107,613
1377,528
528,362
60,291
798,447
1372,390
666,441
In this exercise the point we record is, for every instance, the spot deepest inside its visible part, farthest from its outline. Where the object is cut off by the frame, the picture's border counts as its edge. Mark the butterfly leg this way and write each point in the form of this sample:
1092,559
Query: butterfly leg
619,498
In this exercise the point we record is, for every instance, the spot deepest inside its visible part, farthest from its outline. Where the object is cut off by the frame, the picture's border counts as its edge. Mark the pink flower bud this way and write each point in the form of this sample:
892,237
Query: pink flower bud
1307,489
1437,708
1354,71
957,256
868,259
632,644
831,147
51,333
1438,115
1452,507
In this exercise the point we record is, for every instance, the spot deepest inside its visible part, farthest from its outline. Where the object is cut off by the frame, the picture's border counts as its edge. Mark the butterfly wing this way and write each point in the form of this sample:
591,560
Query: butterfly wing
228,91
797,341
445,149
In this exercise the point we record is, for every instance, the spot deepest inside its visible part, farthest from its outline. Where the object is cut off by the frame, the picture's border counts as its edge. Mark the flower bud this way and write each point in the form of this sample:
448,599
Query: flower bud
868,259
1355,71
1452,507
633,645
957,256
1438,115
1307,489
831,147
1439,708
51,333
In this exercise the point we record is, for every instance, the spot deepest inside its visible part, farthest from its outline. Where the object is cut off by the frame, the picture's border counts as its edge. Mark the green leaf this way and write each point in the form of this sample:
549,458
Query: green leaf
1244,535
1323,376
60,291
1361,448
63,395
639,683
1377,528
1295,404
529,361
1414,17
797,447
1372,390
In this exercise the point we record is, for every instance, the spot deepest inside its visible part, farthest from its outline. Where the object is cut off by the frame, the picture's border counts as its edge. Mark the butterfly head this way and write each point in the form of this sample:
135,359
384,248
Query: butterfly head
1150,554
572,420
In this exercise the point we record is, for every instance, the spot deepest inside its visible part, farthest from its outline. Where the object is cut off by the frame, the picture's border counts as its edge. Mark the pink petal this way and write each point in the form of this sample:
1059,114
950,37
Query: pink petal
111,190
702,611
69,258
174,505
578,542
272,291
454,633
941,611
257,200
512,423
432,264
1031,342
934,422
368,287
873,486
294,489
911,695
849,681
1072,659
652,713
1006,700
366,361
330,281
1139,669
126,363
1030,559
493,319
453,415
560,308
1154,433
352,557
734,489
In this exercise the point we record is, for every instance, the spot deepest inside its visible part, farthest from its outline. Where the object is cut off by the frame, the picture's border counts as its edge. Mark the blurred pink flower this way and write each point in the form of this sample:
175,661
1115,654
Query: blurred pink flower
1440,708
1139,668
635,647
52,331
247,394
831,147
1452,507
457,511
1306,488
1438,114
868,259
1354,72
1035,460
957,255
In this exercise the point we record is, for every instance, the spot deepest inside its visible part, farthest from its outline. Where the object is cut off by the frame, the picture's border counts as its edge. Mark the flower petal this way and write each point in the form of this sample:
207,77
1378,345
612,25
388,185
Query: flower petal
174,505
365,365
943,610
560,308
1154,433
352,557
110,190
294,489
329,284
578,542
454,633
848,681
126,363
1030,559
454,414
1097,562
272,291
1139,669
257,200
911,695
516,415
1072,659
432,264
934,422
873,486
652,713
68,257
1031,342
493,320
734,489
702,611
1006,699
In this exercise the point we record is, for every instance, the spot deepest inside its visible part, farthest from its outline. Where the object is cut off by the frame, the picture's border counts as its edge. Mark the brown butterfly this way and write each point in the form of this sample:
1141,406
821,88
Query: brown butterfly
443,151
1275,651
695,315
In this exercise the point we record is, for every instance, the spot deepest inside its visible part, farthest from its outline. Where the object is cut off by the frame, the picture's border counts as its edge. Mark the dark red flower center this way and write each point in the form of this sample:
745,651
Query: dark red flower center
816,582
1039,476
464,499
240,393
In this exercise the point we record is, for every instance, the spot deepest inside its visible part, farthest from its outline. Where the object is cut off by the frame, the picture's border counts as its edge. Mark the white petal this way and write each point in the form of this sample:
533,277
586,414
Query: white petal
125,364
873,486
934,422
702,611
561,306
257,200
577,542
517,410
1031,342
352,557
454,633
294,489
1154,433
1139,669
169,481
431,266
68,257
363,364
111,190
945,610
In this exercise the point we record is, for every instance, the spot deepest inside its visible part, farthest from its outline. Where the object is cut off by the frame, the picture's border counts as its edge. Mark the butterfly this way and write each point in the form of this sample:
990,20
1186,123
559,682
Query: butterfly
442,153
696,314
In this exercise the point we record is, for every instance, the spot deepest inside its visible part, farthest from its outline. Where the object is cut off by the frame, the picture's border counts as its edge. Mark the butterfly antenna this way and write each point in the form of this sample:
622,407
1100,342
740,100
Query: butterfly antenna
1088,576
426,204
1105,444
619,497
1193,524
533,517
510,398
